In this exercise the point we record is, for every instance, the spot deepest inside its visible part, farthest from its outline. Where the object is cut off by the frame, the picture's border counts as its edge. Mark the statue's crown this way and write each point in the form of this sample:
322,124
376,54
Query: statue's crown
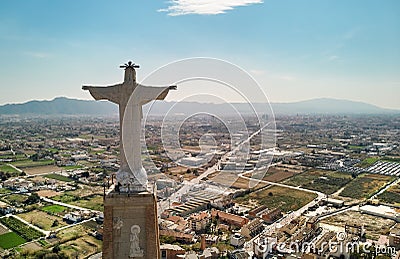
130,64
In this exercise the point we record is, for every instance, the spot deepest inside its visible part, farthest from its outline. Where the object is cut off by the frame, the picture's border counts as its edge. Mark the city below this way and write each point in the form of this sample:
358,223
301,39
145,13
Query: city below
321,186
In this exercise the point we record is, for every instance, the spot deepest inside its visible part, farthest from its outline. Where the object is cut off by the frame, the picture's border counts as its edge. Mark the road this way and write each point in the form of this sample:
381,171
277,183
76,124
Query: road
163,205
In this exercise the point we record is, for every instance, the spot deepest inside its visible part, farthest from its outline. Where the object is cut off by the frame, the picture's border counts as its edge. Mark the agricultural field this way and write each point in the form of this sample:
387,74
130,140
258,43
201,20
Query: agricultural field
33,246
368,162
58,177
9,155
242,183
29,163
374,226
7,169
93,202
41,169
70,167
71,233
43,220
3,229
82,247
54,209
4,191
47,193
391,195
20,228
15,199
86,190
278,197
10,240
326,182
228,179
281,172
365,185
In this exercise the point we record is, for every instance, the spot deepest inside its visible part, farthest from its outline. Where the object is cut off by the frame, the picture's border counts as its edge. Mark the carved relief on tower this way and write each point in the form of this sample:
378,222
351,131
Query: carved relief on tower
135,250
118,224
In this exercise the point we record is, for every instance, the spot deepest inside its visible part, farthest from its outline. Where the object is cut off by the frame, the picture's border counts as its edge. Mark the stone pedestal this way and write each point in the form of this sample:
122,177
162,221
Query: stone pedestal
130,226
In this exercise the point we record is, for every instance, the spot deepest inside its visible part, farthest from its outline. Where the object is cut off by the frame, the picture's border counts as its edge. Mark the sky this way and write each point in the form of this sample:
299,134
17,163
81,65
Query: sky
296,50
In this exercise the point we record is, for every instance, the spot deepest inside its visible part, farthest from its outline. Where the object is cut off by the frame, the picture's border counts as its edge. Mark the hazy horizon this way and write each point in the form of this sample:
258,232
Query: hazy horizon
200,101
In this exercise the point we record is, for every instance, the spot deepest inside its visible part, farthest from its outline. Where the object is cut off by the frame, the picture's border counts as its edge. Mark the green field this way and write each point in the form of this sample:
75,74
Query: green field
54,209
354,147
66,198
94,202
52,150
10,240
279,197
20,228
71,167
326,182
58,177
7,169
43,220
392,195
365,185
11,156
4,191
15,198
368,162
30,163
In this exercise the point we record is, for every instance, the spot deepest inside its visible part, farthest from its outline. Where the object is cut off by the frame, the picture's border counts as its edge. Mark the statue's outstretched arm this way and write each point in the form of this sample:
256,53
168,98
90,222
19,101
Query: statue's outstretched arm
150,93
110,93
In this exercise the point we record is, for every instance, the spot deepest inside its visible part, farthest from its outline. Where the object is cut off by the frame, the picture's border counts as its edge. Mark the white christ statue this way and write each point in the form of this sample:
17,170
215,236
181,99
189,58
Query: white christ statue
131,175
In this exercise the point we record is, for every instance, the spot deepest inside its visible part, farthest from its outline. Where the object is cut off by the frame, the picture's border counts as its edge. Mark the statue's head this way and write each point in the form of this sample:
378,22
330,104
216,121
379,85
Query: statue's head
130,75
130,72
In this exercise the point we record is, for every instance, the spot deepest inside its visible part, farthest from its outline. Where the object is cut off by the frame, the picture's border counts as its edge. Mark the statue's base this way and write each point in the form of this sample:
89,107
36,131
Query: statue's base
138,188
130,226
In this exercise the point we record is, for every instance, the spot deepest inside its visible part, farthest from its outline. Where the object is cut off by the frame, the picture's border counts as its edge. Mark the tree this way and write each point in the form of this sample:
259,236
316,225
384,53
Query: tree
55,223
167,239
33,198
35,157
56,249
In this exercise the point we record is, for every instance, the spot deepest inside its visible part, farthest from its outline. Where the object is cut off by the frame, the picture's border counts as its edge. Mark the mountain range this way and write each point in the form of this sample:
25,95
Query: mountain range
67,106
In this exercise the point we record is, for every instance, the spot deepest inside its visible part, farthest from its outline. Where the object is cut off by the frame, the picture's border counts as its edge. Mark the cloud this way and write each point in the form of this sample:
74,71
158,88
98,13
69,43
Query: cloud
333,58
36,54
204,7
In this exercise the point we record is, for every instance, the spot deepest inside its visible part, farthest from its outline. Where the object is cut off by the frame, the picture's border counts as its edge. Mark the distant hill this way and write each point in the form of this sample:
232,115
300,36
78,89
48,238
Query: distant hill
67,106
60,105
329,106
